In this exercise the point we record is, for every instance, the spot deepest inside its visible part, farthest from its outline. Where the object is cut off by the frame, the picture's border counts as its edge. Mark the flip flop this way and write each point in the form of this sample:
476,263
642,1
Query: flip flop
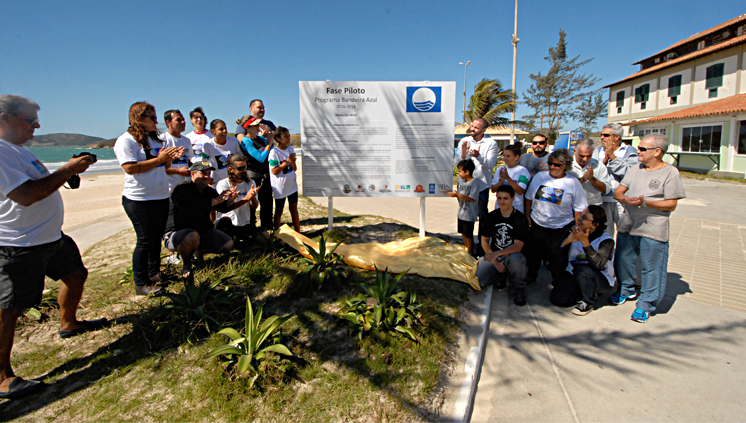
87,326
20,388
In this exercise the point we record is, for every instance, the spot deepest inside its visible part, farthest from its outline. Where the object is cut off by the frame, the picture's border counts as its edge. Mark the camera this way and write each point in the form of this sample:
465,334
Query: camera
74,181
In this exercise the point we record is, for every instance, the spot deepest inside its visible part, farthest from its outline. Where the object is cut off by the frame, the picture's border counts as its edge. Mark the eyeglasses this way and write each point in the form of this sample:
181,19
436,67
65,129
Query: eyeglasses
154,118
239,167
198,117
586,217
31,121
554,164
644,149
538,142
605,135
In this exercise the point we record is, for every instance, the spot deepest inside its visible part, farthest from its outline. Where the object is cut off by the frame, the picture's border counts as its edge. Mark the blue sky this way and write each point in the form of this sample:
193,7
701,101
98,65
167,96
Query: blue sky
86,62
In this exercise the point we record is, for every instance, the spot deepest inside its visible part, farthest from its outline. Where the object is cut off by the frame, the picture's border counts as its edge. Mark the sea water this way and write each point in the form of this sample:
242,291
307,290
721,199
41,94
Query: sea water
55,157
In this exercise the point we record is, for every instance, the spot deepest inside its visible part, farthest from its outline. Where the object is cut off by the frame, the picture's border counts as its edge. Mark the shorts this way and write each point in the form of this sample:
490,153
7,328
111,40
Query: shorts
466,228
210,241
280,202
22,270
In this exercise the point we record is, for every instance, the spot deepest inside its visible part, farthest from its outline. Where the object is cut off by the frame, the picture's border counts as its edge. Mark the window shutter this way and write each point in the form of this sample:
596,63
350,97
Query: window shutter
645,90
620,99
674,86
715,76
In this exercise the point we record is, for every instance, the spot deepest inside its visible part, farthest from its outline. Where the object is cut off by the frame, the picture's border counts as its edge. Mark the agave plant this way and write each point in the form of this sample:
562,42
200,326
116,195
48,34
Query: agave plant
383,307
250,349
324,265
192,301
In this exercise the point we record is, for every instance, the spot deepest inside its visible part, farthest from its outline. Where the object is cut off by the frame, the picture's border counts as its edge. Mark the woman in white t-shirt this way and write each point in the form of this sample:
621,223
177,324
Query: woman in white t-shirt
512,174
219,149
554,201
145,196
283,178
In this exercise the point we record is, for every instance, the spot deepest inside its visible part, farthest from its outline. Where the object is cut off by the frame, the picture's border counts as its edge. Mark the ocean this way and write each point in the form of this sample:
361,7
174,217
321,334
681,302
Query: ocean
55,157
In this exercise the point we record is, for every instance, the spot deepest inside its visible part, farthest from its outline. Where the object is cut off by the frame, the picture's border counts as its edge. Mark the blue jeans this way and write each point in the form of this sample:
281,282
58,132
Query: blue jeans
654,258
149,220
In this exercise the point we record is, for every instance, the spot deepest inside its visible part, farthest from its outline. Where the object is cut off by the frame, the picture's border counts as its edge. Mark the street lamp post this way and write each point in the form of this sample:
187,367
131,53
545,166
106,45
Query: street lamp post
515,54
465,65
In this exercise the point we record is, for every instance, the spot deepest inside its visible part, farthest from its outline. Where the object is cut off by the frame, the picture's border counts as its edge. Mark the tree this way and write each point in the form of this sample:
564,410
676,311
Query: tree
490,102
590,109
552,96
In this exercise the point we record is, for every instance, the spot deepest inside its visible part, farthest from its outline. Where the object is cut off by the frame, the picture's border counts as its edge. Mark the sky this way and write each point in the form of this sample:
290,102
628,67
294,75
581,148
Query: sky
86,62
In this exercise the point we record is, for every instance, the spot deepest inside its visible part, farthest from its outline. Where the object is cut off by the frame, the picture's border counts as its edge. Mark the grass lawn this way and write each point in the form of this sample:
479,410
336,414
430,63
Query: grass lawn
151,366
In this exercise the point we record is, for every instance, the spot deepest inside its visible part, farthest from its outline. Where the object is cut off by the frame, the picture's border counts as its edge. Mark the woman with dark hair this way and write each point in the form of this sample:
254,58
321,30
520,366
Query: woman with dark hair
145,196
219,149
512,174
554,201
590,271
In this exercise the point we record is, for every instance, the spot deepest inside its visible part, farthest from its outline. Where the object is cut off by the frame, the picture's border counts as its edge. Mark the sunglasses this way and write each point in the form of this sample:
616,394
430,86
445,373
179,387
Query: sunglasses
554,164
31,121
154,118
239,167
605,135
196,117
644,149
538,142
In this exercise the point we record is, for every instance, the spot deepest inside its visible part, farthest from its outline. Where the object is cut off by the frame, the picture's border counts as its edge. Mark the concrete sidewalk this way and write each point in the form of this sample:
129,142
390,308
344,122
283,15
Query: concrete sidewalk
688,363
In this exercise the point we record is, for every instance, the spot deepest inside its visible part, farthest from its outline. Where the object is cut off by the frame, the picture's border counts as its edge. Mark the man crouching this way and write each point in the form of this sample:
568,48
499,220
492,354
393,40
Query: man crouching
194,233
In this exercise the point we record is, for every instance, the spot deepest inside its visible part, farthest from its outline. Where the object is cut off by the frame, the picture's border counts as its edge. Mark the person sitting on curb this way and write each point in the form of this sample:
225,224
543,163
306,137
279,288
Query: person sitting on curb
590,271
194,233
502,234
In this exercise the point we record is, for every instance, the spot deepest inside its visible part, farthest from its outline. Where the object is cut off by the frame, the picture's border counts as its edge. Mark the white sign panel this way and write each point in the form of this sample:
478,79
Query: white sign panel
376,139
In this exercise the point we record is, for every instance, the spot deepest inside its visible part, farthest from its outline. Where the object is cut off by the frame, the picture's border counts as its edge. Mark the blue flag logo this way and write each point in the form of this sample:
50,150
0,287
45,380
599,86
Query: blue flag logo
423,99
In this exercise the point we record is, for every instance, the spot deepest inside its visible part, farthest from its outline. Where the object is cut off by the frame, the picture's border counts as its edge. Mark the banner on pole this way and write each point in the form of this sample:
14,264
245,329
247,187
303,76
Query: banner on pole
377,139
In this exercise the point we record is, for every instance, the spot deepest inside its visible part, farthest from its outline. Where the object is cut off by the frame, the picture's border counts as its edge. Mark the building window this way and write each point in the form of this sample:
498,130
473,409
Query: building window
714,79
645,132
674,88
619,101
641,95
702,139
741,143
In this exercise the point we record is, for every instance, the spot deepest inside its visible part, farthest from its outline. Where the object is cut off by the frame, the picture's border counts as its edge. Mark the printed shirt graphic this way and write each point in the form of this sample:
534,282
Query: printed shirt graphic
468,210
284,183
38,223
197,141
242,215
555,200
504,231
144,186
549,194
218,156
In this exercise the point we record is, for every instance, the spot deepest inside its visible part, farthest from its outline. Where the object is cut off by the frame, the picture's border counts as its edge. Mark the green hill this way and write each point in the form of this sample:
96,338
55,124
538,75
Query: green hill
64,140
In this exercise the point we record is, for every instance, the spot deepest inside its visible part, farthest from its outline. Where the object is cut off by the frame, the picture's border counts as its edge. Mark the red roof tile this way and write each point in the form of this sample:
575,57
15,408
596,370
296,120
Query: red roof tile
701,34
691,56
732,104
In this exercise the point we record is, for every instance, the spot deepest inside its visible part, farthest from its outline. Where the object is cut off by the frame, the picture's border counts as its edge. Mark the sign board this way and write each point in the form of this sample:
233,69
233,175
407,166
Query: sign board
568,139
377,139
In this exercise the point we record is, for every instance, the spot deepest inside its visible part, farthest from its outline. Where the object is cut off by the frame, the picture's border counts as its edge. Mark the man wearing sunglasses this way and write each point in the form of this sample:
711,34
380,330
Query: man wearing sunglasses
618,158
482,150
32,244
537,161
649,193
237,222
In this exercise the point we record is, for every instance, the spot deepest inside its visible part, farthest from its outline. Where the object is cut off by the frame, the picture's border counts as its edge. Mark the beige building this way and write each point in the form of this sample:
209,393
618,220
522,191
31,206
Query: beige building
694,92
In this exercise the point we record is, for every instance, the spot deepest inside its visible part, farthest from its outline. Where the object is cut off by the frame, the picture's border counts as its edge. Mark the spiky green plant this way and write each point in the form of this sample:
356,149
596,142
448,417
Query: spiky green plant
249,351
323,265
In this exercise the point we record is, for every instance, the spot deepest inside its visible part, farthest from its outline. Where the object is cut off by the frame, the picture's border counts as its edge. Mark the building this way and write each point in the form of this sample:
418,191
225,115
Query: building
694,92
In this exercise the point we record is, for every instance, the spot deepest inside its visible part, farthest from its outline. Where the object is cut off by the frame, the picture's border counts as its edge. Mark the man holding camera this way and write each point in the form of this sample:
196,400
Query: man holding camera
32,244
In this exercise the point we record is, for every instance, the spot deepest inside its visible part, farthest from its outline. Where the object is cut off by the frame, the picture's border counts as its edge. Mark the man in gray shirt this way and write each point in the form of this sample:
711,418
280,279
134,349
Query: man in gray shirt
649,193
537,161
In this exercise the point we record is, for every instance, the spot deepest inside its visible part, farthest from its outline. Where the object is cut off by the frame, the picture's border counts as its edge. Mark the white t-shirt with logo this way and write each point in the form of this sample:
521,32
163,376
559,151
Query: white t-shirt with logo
183,161
218,156
284,183
521,176
37,224
242,215
197,141
555,200
143,186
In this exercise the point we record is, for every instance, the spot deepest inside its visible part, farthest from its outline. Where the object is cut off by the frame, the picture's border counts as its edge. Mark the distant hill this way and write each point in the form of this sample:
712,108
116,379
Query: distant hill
64,140
103,144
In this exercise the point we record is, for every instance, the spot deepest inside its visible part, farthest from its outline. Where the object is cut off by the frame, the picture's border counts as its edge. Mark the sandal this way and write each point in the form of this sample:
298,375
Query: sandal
87,326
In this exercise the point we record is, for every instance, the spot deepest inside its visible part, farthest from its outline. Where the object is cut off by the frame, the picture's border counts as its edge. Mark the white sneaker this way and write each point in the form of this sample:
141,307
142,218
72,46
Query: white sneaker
173,259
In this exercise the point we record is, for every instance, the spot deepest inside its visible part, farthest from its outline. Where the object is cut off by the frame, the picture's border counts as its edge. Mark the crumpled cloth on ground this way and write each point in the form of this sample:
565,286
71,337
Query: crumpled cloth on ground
425,256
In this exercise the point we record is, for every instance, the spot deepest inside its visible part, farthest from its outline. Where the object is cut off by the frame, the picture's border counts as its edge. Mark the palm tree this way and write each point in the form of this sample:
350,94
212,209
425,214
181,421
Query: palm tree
489,102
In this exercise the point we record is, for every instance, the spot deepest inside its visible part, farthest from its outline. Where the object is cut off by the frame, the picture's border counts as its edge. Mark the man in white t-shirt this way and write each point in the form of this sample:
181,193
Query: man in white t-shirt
237,222
179,170
200,135
483,151
32,244
592,175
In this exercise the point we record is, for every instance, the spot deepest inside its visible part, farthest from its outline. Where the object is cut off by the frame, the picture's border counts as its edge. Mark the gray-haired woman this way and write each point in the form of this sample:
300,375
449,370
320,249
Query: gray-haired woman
554,201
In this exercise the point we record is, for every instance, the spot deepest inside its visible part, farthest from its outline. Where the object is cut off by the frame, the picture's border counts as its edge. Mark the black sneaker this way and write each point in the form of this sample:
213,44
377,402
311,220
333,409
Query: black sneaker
519,297
582,308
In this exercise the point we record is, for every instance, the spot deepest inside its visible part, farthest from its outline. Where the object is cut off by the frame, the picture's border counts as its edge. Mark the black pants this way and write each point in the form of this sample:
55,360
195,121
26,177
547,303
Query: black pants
591,281
265,200
539,248
149,220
